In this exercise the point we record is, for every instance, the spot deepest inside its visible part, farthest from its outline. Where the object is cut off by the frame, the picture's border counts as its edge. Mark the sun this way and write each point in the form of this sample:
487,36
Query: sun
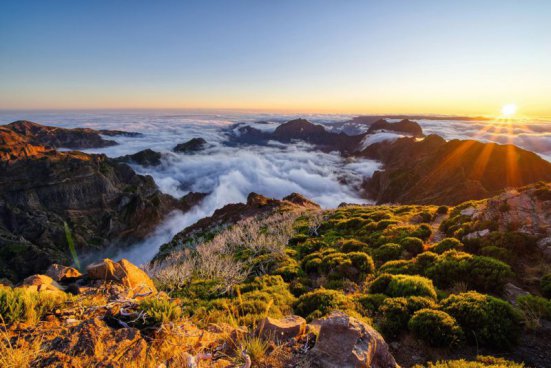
509,110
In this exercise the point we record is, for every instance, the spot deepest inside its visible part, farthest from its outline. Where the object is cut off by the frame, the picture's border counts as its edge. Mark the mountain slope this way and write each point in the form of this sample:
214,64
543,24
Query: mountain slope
433,171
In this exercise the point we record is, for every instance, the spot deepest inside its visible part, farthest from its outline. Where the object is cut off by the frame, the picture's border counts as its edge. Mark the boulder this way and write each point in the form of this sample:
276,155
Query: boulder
345,342
193,145
122,272
511,292
281,329
146,158
62,273
41,283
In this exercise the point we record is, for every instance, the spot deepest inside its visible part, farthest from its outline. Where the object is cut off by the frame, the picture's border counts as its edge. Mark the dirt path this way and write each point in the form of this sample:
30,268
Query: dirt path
437,235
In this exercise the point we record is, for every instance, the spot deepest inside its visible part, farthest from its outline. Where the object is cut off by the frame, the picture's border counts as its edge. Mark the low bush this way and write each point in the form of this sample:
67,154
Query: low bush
352,245
545,285
436,328
408,285
534,309
486,320
447,244
478,272
400,266
403,285
423,231
320,302
413,245
481,362
442,210
369,304
387,252
396,312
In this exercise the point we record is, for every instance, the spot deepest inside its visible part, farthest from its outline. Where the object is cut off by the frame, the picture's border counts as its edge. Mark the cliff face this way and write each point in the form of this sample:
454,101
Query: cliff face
434,171
102,201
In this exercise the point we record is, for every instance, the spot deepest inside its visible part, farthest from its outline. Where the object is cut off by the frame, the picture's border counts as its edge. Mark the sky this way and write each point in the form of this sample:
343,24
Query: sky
424,57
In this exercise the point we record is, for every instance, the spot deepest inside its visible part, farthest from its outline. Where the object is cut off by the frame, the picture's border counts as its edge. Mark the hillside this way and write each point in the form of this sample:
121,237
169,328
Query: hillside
436,282
435,171
101,200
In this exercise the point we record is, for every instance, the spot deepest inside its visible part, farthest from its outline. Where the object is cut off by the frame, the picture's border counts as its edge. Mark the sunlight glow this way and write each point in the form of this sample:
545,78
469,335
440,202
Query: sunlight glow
509,109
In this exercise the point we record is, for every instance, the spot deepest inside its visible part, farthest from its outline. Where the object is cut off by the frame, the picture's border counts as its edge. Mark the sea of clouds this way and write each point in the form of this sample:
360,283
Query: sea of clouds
229,173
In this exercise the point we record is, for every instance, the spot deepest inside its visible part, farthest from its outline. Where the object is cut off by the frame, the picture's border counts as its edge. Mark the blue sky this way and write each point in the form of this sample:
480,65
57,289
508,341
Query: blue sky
466,57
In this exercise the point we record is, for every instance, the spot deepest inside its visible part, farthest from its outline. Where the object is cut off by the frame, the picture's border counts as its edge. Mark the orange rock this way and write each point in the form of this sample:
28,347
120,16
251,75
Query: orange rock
281,329
122,272
60,273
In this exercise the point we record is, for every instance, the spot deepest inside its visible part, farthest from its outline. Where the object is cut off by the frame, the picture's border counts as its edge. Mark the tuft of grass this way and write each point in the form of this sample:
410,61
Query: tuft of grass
22,305
161,311
14,356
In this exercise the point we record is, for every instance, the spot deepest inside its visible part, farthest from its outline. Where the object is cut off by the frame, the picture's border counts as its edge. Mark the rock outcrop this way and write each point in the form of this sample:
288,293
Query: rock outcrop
345,342
193,145
281,330
433,171
146,158
54,137
403,126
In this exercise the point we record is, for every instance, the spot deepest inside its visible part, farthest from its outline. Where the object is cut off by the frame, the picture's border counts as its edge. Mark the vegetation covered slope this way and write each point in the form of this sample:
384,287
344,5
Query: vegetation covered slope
423,275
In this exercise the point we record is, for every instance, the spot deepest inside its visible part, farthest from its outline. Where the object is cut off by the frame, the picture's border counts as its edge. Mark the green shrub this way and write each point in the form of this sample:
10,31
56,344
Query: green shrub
481,362
394,316
447,244
450,267
497,252
352,245
23,305
403,285
320,302
387,252
409,285
160,310
362,262
370,303
423,231
545,285
486,320
436,328
488,274
479,272
413,245
425,260
380,284
534,309
400,266
442,210
396,312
